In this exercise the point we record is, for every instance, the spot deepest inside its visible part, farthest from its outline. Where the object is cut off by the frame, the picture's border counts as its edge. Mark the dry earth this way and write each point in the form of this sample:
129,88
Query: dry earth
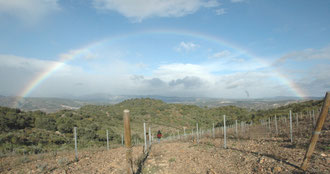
241,156
90,161
259,151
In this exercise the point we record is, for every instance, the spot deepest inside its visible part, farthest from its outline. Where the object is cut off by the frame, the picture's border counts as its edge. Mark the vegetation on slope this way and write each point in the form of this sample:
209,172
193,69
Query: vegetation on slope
35,132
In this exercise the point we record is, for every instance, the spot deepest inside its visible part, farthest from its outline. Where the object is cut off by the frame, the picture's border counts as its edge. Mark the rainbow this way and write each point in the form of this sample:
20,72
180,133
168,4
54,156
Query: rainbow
71,55
63,59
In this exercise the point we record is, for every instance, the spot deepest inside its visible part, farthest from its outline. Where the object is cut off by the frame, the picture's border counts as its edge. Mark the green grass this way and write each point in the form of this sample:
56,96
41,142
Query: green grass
171,160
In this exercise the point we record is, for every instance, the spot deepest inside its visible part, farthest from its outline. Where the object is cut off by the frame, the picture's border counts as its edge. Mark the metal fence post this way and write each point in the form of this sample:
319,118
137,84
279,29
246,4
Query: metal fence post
224,132
75,143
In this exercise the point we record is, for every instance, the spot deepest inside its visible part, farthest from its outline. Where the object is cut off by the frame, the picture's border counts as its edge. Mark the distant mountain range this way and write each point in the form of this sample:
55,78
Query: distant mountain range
43,104
55,104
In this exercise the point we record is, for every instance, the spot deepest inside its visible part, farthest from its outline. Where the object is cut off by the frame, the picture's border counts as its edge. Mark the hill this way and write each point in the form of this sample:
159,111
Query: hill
36,131
50,105
43,104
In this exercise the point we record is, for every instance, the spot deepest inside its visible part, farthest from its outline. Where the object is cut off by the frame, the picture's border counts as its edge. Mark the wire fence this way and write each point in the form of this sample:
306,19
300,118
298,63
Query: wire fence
291,126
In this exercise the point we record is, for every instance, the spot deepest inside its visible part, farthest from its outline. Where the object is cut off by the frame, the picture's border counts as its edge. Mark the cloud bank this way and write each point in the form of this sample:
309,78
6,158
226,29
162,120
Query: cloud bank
213,78
29,11
305,55
142,9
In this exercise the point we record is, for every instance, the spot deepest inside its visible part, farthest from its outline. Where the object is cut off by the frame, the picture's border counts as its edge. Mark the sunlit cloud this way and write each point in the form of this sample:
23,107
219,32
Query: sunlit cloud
306,54
142,9
186,46
222,76
237,1
29,11
221,54
220,11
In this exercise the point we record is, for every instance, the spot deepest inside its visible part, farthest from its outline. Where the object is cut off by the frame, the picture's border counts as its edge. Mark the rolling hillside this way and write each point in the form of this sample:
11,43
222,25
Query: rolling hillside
34,132
50,105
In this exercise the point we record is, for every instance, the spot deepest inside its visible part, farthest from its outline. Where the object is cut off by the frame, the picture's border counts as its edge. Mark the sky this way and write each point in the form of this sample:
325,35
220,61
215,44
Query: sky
195,48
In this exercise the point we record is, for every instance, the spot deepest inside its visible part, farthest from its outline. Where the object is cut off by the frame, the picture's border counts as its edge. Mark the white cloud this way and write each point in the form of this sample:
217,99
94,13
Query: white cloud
22,63
306,54
178,70
308,69
323,53
236,1
176,80
186,46
90,56
221,54
28,10
220,11
211,79
142,9
200,80
60,78
17,72
117,77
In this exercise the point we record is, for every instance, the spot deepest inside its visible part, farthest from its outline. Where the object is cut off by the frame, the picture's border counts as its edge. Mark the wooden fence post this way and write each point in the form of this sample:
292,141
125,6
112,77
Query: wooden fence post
317,130
224,132
127,131
75,144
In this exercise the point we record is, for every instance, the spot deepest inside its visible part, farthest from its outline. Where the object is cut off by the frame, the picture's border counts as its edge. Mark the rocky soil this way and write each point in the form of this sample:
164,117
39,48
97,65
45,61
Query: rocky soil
241,156
259,150
90,161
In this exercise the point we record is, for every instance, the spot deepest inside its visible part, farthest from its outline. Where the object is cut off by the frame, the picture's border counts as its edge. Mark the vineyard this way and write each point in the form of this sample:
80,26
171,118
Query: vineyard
164,87
275,144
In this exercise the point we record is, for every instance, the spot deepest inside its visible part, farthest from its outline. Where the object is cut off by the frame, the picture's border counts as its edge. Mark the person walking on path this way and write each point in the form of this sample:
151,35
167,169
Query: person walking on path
159,135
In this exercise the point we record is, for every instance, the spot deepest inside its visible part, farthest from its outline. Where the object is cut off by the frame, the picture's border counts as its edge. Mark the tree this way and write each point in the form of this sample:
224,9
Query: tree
45,122
65,125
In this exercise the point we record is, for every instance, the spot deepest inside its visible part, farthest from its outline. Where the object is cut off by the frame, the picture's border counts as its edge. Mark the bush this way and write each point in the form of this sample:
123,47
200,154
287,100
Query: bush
65,124
44,122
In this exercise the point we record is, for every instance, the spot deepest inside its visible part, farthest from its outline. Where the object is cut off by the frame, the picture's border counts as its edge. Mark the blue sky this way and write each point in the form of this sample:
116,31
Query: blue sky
200,48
